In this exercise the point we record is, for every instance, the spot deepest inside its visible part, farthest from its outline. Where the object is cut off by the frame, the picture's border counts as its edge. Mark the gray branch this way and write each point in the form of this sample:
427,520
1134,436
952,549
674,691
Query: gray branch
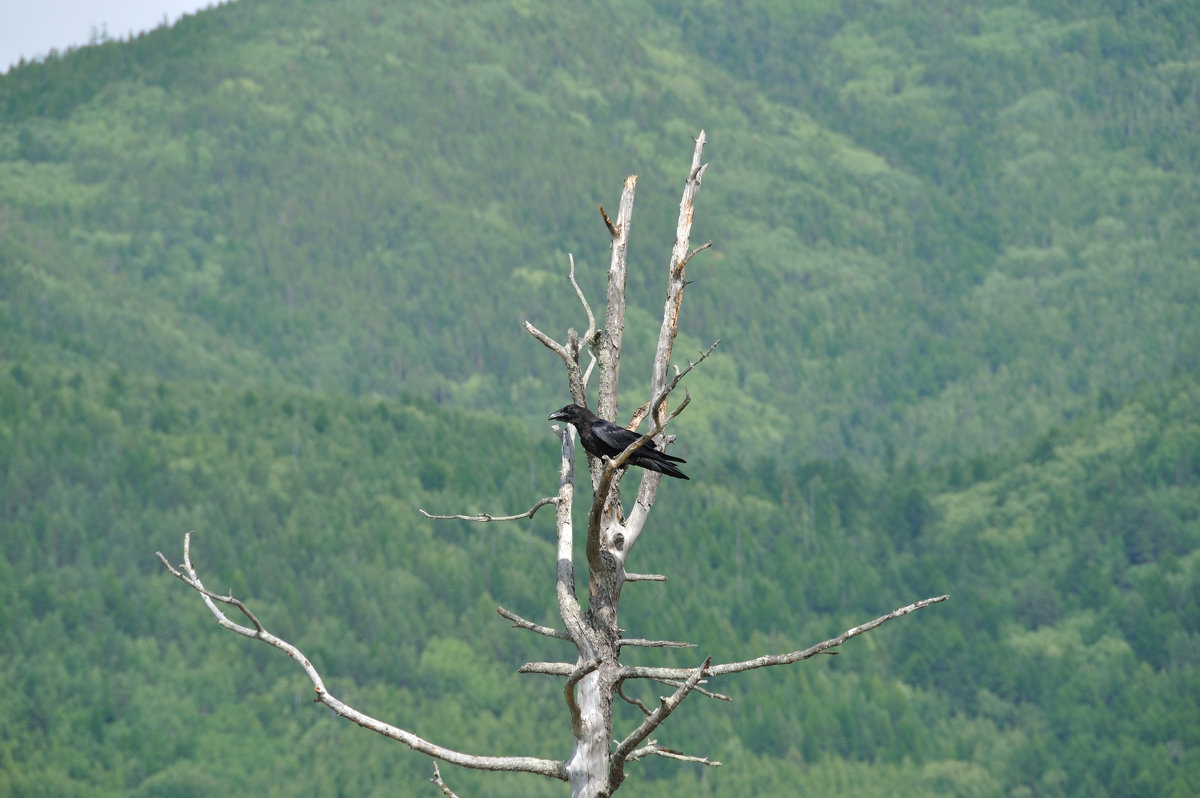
519,764
768,660
485,517
643,643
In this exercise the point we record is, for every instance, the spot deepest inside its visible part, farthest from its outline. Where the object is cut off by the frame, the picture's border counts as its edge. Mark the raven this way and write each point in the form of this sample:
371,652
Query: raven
605,439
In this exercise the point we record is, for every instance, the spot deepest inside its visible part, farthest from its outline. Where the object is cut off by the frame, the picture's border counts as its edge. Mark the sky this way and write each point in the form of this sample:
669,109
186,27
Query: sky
30,28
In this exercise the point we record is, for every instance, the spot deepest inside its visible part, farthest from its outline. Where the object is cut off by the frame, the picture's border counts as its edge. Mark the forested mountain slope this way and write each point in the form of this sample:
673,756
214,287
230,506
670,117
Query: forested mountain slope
1066,662
262,276
936,232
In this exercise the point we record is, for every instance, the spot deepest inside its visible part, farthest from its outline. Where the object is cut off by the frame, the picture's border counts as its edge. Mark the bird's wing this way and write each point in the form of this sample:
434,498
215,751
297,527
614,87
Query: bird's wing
617,437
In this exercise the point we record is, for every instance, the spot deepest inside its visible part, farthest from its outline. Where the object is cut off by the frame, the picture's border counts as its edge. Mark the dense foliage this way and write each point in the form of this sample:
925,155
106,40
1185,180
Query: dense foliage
1066,662
262,273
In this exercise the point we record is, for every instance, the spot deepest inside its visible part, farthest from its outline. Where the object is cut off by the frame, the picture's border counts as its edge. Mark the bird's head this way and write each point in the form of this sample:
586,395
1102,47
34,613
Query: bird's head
570,414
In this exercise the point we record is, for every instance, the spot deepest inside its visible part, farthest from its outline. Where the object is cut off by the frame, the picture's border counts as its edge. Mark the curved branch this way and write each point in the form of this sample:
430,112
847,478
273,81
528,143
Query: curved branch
700,248
637,702
519,764
486,517
581,670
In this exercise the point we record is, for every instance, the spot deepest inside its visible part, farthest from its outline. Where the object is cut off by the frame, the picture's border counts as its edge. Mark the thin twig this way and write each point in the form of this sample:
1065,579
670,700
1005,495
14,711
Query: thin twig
601,490
645,578
612,228
637,702
679,375
654,748
437,779
698,689
591,328
644,410
486,517
613,465
691,254
193,581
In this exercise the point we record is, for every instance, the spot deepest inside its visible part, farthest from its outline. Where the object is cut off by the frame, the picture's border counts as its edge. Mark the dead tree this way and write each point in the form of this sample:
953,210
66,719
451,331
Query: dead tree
594,679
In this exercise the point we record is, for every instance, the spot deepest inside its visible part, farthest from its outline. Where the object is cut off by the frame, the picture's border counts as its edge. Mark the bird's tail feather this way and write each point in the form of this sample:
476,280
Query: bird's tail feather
664,468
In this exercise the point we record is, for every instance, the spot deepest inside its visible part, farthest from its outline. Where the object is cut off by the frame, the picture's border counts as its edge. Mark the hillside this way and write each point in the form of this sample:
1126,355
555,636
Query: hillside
1066,662
328,195
262,276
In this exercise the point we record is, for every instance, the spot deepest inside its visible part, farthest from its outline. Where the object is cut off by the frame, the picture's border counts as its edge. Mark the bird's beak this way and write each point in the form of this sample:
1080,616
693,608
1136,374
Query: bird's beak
557,415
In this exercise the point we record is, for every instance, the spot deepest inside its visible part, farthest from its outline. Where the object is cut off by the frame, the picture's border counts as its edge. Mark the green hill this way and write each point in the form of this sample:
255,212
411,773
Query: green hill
372,197
1066,662
262,276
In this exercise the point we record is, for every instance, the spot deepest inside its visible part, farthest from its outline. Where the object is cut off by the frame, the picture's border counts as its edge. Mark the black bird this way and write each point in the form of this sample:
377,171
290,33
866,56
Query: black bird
605,439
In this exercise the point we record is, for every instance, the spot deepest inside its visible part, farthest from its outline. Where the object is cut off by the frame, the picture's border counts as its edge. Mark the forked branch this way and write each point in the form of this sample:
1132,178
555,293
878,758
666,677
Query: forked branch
653,405
652,722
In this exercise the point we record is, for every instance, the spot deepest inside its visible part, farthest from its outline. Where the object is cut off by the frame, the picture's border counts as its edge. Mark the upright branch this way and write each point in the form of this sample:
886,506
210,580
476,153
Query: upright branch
675,270
614,319
676,282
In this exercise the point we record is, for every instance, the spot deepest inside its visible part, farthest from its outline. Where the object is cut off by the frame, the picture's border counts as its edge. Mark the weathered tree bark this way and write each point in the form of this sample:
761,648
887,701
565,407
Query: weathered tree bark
593,681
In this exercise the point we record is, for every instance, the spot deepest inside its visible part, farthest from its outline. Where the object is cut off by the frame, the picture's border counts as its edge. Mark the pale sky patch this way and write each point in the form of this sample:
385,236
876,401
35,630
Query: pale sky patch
31,28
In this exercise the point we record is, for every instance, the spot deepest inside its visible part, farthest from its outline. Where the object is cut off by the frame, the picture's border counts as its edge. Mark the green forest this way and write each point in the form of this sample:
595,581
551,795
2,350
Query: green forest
263,274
